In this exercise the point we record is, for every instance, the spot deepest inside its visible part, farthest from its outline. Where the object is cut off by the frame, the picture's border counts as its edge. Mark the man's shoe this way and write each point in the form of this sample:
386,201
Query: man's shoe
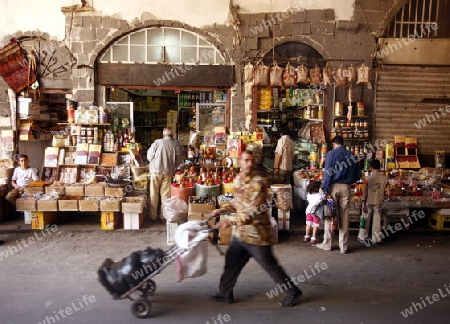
290,300
219,298
362,241
320,246
344,251
1,242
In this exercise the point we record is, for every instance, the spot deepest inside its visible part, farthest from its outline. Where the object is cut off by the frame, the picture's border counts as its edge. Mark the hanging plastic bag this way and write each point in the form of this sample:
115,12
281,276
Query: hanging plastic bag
262,76
328,74
249,70
289,76
362,74
276,76
351,73
340,77
314,75
175,210
302,74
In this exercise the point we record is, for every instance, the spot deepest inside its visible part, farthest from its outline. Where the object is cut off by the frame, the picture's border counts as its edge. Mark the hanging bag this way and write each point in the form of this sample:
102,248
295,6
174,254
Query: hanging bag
276,76
249,71
328,74
262,76
289,76
314,75
362,74
302,74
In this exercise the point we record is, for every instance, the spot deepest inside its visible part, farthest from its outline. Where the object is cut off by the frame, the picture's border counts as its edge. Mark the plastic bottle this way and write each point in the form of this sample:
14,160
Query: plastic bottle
102,118
362,222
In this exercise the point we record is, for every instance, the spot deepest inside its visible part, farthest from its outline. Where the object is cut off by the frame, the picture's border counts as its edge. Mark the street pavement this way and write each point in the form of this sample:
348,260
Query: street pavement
50,276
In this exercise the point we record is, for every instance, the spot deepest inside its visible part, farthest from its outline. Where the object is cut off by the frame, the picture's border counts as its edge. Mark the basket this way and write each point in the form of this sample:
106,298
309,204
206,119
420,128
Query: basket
137,171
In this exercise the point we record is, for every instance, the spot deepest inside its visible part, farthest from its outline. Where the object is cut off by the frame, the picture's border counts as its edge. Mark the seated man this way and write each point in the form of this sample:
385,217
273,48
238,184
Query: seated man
21,177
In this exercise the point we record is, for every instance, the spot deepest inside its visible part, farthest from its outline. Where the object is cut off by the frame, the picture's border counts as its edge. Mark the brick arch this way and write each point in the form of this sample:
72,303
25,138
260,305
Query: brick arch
265,50
109,41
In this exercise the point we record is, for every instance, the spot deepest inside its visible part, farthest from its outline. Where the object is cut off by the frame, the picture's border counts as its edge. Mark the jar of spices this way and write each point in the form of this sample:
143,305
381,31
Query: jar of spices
366,124
320,112
337,123
361,123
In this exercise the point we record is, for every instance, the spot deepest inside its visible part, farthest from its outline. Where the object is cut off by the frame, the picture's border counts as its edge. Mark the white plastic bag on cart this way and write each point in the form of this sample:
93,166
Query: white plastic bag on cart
191,236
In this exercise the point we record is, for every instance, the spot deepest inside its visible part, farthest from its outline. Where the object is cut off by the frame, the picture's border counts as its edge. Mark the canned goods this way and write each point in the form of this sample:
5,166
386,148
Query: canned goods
360,109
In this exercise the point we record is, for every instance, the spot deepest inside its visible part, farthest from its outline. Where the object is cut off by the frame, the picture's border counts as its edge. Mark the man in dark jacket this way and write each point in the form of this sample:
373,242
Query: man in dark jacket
341,171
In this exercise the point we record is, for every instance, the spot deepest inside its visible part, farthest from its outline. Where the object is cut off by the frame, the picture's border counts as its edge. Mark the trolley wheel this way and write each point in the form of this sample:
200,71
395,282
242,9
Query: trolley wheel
141,308
150,286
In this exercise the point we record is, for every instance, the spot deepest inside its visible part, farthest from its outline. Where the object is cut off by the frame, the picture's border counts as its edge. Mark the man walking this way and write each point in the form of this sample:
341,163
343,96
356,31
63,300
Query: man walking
341,171
253,236
164,155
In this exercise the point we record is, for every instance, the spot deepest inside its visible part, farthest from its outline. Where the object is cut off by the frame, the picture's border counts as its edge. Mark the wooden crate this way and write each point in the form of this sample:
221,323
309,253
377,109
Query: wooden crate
108,159
65,170
49,173
439,222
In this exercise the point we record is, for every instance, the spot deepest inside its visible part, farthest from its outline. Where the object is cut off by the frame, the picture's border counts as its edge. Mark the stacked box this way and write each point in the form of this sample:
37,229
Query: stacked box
47,205
133,204
110,204
89,204
94,190
109,220
68,203
40,219
439,222
132,220
26,204
74,190
115,192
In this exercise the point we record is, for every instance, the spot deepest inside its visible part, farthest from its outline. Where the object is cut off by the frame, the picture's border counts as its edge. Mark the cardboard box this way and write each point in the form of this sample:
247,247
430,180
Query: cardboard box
199,216
112,205
109,220
26,204
67,204
27,217
133,204
40,219
61,190
171,228
284,219
203,208
47,205
74,190
114,192
132,220
34,190
89,205
94,191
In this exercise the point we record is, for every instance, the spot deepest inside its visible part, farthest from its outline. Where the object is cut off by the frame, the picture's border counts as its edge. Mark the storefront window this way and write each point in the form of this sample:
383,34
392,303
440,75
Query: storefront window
163,45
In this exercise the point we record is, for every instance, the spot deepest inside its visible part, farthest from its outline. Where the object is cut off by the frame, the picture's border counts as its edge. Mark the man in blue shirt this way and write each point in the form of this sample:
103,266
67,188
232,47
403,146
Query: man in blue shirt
341,171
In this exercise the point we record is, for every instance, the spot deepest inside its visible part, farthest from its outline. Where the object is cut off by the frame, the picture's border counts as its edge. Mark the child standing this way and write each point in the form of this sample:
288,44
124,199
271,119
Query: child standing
314,196
373,196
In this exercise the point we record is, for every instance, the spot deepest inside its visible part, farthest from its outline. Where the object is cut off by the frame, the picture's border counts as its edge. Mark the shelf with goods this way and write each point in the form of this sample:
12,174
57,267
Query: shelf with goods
273,104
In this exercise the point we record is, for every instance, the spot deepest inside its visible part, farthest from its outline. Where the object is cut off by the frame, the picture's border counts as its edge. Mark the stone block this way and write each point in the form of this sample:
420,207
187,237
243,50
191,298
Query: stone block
313,15
250,43
299,16
328,15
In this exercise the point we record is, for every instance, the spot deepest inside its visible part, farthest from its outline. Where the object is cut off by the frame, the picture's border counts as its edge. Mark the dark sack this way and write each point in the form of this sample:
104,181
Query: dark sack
119,277
323,210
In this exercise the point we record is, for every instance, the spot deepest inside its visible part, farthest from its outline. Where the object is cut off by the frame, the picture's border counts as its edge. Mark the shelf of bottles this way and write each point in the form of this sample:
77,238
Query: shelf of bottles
118,135
189,99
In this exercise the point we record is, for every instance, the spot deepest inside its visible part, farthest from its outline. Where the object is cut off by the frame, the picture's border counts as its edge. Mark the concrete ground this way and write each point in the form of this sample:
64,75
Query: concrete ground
51,277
